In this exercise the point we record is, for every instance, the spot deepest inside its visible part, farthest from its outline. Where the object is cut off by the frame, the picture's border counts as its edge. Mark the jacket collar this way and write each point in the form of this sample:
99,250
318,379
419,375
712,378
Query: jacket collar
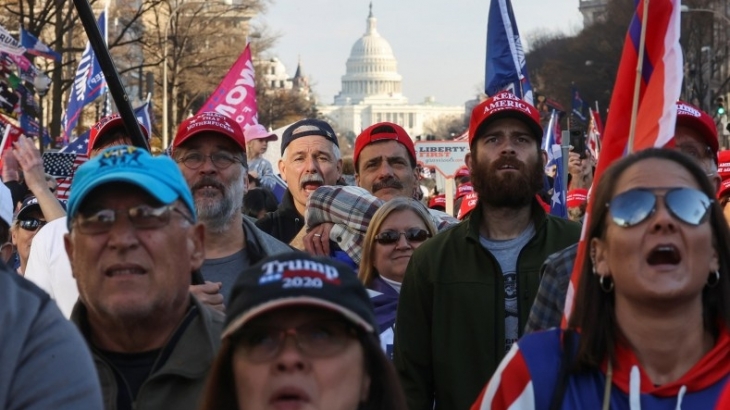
474,220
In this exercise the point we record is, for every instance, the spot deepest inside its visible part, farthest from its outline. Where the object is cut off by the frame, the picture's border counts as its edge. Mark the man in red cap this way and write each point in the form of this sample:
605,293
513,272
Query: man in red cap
210,150
385,168
576,203
467,290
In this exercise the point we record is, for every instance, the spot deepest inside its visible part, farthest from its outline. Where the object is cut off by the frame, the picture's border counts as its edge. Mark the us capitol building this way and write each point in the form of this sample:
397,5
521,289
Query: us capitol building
372,92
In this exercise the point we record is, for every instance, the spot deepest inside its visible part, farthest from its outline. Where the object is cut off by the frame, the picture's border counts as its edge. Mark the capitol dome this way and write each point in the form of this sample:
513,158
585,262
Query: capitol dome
372,70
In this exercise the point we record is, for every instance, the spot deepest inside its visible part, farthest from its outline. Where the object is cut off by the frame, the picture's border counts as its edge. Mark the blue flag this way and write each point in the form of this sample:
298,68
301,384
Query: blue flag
32,128
89,84
557,202
578,106
143,116
506,68
36,47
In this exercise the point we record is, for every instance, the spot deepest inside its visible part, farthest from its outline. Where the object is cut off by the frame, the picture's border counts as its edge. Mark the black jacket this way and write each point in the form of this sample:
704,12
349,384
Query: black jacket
284,223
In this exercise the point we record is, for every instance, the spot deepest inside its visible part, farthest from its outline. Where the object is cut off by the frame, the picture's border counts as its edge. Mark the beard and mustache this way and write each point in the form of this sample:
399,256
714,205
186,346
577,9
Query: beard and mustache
217,213
512,190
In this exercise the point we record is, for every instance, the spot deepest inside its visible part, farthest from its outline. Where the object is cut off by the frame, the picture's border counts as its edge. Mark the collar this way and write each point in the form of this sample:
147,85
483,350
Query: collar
477,215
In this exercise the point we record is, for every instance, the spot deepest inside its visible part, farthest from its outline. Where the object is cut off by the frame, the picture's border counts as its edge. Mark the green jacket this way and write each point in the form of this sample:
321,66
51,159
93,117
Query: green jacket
449,336
178,383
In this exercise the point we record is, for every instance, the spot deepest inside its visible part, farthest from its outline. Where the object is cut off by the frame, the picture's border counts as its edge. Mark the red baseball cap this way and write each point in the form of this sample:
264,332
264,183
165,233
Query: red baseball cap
209,122
104,125
463,171
724,188
438,201
576,197
384,131
723,164
467,205
463,189
692,117
258,132
504,105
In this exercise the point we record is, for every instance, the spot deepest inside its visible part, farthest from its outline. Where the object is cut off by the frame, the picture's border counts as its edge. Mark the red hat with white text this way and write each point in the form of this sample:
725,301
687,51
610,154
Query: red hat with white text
692,117
209,122
384,131
504,105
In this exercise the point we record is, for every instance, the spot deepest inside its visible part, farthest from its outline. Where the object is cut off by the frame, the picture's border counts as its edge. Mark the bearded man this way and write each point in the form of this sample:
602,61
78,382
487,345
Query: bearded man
210,150
468,290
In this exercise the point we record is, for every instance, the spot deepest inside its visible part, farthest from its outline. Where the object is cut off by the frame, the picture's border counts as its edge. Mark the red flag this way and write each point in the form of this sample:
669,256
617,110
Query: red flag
10,135
235,96
659,88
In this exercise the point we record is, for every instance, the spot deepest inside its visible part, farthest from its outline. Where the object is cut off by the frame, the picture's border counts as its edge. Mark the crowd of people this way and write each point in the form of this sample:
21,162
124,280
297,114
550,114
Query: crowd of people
177,281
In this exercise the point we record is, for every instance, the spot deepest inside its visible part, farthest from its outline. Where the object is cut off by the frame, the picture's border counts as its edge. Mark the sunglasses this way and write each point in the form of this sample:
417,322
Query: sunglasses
31,224
412,235
633,207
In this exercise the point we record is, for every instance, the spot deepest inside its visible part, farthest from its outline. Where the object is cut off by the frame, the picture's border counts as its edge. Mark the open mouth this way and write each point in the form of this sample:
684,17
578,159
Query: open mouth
664,255
311,186
122,271
289,398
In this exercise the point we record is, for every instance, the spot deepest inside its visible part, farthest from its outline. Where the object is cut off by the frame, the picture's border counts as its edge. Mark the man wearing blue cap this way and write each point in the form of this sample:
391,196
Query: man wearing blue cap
134,243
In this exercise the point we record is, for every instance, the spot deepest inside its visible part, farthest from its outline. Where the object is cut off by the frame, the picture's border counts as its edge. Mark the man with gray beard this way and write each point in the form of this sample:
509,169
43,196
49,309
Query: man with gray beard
310,158
211,153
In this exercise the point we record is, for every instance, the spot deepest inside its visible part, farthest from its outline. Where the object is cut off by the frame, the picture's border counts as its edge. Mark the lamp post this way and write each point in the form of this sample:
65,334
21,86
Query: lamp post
165,136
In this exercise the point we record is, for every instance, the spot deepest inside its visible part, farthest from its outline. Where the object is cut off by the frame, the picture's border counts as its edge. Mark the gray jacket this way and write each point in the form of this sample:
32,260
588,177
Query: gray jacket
44,362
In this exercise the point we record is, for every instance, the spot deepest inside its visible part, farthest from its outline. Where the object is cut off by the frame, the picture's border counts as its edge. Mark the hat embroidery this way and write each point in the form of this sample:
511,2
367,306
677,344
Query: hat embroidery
126,155
299,273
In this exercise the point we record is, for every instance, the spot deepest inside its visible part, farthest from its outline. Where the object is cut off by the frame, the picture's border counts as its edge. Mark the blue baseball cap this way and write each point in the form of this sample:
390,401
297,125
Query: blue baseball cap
158,176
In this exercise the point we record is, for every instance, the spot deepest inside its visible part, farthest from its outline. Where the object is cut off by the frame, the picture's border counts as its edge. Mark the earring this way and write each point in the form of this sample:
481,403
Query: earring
602,283
713,279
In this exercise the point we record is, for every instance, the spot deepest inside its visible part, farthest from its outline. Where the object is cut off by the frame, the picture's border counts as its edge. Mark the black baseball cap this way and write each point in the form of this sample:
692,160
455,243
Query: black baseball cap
298,279
303,128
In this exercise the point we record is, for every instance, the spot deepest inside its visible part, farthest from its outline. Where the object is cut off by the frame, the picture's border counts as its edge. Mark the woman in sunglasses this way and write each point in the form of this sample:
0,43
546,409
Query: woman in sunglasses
27,222
649,328
301,333
397,228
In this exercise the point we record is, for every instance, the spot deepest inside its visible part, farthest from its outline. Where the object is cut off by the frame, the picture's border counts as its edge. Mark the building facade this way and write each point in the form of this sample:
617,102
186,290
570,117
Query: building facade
372,90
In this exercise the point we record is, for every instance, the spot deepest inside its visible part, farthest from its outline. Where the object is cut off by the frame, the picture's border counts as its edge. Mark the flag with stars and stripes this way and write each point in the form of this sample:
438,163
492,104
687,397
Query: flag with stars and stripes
63,164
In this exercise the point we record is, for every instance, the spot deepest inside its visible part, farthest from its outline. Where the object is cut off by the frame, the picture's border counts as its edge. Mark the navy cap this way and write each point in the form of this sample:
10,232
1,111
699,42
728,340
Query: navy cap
304,128
297,279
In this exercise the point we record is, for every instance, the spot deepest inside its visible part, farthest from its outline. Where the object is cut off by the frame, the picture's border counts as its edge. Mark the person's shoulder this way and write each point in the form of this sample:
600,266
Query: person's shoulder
18,292
268,243
52,230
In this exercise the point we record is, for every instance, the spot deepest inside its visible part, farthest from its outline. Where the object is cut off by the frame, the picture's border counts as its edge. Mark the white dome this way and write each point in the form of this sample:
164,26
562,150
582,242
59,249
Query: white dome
372,70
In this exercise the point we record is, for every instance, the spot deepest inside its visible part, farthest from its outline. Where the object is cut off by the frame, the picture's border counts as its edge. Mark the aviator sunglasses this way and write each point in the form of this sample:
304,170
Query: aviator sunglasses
31,224
412,235
634,206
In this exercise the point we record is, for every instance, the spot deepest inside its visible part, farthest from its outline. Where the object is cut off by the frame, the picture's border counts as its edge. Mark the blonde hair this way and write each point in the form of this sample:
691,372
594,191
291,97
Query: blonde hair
367,271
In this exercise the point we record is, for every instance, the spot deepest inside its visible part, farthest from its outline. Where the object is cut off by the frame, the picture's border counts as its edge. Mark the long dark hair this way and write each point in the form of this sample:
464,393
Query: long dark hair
385,391
594,313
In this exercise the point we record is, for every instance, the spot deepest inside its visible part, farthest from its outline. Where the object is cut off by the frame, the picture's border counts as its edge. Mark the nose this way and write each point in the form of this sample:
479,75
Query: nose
207,167
663,220
402,242
122,235
385,170
311,166
290,359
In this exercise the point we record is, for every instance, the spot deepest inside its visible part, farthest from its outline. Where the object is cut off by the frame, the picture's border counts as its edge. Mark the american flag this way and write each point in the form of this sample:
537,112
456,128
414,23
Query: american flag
63,164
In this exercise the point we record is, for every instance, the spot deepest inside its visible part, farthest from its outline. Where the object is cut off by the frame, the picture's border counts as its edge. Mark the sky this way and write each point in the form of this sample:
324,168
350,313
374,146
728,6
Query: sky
440,45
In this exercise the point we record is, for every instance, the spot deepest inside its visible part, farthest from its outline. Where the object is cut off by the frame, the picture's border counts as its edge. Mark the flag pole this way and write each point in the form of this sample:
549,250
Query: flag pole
637,82
111,74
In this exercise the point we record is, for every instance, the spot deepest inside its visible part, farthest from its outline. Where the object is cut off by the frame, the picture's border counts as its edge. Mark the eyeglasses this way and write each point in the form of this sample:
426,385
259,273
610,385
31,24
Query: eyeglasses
141,217
633,207
220,159
412,235
31,224
317,340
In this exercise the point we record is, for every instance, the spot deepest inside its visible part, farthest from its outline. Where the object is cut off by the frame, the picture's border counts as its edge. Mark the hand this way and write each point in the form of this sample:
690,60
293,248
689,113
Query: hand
209,294
317,241
575,166
10,167
31,163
